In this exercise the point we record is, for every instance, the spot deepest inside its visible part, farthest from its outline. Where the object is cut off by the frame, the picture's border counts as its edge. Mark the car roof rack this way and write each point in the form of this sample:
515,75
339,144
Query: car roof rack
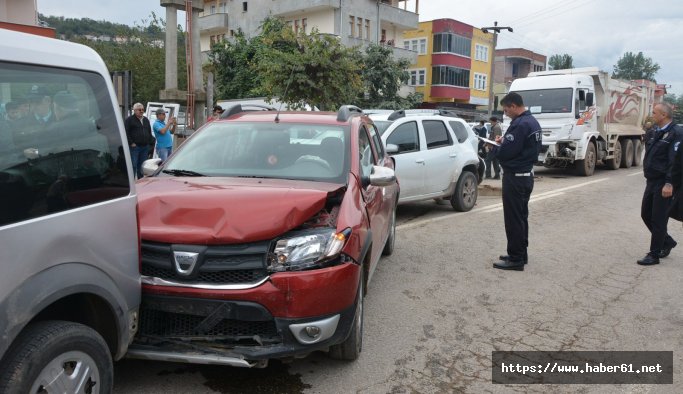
237,108
422,112
347,111
397,114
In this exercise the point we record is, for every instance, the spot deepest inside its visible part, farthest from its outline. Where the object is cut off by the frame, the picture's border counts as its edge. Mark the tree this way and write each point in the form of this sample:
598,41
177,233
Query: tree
631,67
560,62
233,66
677,103
382,78
314,69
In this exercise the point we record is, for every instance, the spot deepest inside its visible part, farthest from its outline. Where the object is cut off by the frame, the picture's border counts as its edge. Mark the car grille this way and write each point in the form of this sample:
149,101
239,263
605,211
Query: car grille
217,265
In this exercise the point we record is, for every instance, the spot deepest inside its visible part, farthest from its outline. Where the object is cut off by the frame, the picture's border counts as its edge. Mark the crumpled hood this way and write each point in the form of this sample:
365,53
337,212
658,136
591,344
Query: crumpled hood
209,210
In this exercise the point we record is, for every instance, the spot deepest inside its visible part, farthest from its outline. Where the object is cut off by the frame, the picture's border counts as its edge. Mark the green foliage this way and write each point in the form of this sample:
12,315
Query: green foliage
141,50
677,103
233,67
314,69
631,66
382,77
560,62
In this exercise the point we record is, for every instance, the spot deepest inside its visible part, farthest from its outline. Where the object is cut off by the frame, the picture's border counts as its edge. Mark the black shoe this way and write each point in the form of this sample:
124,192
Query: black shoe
648,260
509,265
505,257
665,252
496,177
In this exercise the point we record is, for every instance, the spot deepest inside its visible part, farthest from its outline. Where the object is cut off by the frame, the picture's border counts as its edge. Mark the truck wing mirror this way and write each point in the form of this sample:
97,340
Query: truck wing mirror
589,99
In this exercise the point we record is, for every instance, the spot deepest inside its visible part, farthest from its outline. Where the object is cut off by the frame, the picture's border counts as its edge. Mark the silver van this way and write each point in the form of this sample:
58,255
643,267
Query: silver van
69,243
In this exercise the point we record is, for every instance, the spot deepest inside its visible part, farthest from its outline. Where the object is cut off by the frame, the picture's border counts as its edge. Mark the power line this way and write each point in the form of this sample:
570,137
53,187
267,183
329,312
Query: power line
550,12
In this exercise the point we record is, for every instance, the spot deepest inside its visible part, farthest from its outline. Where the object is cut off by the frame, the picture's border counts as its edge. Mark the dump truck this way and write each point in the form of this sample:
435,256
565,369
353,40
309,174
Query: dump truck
587,117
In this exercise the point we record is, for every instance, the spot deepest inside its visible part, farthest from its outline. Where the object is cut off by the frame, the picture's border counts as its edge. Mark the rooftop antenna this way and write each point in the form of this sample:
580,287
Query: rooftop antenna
277,115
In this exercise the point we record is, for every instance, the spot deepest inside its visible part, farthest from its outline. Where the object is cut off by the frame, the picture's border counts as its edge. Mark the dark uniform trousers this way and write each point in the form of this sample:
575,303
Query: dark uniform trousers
517,190
654,212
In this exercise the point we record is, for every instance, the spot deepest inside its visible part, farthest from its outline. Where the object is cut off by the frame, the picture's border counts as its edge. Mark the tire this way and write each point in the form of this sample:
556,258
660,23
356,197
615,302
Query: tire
350,349
481,170
637,153
466,192
626,153
389,245
51,356
586,167
615,161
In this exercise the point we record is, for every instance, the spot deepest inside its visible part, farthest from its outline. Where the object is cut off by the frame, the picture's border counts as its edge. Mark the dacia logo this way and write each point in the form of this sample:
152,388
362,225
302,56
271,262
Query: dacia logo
185,262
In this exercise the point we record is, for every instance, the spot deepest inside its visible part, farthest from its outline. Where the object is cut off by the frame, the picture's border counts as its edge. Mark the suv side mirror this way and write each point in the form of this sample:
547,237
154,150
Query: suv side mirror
392,148
382,176
149,167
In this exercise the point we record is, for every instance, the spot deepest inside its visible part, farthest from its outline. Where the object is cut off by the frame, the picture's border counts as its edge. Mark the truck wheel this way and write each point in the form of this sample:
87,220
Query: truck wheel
626,153
350,349
57,356
586,167
466,191
637,153
615,161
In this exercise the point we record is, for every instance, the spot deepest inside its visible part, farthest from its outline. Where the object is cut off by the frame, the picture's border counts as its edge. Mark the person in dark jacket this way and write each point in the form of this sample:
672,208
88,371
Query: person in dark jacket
517,153
139,133
657,165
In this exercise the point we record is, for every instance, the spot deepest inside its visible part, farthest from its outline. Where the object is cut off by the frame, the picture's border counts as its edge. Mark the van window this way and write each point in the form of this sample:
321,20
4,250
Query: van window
61,146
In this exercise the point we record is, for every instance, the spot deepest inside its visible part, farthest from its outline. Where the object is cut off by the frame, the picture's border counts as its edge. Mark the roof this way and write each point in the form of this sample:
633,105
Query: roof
311,117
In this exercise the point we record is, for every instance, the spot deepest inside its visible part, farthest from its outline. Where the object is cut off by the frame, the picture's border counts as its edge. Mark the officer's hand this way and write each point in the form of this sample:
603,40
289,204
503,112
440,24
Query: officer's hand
499,138
667,190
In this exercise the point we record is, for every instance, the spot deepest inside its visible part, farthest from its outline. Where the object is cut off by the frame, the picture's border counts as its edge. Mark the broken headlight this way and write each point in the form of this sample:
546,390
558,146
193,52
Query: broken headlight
307,249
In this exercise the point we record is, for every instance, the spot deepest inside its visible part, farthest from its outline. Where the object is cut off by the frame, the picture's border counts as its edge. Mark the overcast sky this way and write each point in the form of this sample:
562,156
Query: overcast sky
593,32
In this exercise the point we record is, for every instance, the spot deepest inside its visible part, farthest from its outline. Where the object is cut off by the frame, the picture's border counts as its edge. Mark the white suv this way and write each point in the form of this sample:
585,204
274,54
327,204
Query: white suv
436,156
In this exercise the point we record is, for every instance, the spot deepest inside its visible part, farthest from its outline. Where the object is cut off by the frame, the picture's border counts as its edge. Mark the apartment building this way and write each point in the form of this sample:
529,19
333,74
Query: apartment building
453,65
513,63
355,22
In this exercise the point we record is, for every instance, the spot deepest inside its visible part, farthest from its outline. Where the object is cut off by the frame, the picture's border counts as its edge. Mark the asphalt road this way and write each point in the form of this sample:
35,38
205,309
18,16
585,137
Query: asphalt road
436,309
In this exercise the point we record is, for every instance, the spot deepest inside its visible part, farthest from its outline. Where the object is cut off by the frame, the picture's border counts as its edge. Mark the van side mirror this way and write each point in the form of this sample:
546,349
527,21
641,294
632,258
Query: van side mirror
589,99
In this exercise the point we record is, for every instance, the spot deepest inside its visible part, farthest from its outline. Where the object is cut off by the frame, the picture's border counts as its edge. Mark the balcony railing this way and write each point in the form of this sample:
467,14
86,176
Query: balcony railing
213,23
399,17
281,8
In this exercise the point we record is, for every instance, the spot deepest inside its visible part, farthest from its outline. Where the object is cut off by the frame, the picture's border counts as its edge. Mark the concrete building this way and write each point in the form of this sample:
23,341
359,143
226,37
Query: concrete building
22,15
512,63
355,22
453,65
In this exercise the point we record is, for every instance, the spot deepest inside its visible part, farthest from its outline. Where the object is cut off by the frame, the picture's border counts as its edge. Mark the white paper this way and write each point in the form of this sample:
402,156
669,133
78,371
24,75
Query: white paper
488,141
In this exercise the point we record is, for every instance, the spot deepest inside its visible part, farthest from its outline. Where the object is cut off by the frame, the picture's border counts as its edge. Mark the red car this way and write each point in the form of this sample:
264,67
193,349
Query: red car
260,235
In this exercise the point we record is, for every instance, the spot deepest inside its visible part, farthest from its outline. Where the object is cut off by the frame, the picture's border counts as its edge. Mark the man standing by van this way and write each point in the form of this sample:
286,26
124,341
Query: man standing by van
139,133
517,154
162,132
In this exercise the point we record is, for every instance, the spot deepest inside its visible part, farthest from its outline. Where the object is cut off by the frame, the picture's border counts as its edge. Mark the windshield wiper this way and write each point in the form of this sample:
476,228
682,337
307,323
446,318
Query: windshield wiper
176,172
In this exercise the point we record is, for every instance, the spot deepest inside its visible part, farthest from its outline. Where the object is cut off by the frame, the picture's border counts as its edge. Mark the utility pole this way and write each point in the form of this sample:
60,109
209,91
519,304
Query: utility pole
496,29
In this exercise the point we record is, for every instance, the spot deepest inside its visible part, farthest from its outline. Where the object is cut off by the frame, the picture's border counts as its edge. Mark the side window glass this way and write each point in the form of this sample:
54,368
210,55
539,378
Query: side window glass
460,130
376,142
62,147
436,134
367,160
406,137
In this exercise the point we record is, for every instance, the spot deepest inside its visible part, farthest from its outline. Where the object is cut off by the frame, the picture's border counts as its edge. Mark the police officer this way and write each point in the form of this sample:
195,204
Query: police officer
657,165
517,153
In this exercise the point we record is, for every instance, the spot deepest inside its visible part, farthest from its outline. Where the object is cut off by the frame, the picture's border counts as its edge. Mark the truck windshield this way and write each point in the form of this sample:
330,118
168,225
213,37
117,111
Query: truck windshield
549,100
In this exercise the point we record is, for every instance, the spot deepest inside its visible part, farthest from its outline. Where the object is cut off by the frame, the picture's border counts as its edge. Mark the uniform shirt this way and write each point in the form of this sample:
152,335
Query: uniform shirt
163,140
660,151
520,146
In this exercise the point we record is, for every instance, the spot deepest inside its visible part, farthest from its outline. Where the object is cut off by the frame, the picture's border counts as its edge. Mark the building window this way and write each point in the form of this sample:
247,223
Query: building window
360,27
296,26
213,9
367,29
452,43
454,76
221,7
481,53
479,81
352,26
304,23
417,77
515,69
418,45
244,6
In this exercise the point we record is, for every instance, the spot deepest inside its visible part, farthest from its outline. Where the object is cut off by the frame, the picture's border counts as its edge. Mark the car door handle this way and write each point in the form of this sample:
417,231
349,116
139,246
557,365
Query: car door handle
420,161
453,155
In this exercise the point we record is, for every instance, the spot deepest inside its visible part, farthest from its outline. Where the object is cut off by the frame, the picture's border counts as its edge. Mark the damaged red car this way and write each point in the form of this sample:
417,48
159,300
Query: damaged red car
260,235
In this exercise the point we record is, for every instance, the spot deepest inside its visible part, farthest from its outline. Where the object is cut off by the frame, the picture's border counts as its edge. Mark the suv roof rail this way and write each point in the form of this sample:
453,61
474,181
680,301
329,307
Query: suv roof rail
230,111
448,112
397,114
347,111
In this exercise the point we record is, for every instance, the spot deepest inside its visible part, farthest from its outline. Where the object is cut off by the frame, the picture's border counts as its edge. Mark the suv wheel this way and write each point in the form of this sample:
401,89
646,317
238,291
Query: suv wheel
52,356
466,192
350,349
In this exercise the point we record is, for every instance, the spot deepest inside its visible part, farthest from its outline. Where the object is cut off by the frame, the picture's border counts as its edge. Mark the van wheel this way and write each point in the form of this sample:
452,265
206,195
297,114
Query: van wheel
57,356
350,349
615,161
466,192
626,153
637,153
586,167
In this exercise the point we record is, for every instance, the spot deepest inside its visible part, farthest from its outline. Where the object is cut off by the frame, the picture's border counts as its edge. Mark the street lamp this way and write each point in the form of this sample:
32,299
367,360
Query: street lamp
496,29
